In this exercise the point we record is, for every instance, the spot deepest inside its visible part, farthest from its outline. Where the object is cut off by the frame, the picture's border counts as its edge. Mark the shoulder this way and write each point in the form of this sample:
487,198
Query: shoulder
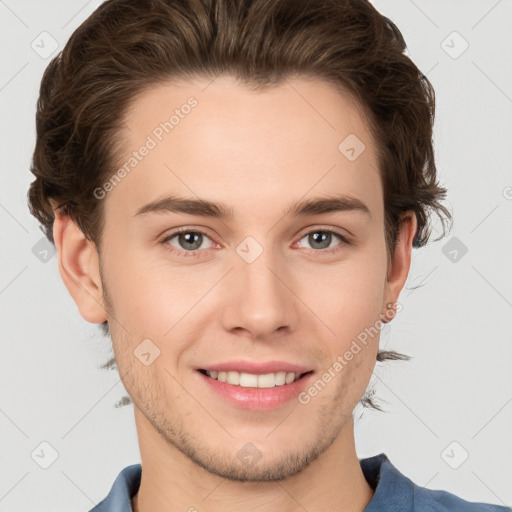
394,491
429,500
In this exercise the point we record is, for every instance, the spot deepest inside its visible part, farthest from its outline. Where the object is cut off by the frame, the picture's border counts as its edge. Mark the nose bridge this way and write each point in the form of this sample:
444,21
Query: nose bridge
259,300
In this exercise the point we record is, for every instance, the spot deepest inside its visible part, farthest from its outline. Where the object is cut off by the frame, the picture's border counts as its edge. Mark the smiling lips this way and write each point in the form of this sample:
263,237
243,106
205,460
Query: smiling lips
263,391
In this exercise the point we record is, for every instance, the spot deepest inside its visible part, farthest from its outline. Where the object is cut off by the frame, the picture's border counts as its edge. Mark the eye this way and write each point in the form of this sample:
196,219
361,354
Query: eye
187,241
321,239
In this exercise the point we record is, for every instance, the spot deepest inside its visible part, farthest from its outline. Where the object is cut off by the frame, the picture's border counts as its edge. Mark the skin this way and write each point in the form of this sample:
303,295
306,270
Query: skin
258,152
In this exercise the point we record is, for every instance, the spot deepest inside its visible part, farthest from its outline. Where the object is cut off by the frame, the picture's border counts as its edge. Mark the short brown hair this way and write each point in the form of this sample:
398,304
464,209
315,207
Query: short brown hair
126,46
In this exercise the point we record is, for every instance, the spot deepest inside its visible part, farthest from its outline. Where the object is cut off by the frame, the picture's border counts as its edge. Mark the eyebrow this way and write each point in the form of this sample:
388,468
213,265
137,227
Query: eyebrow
203,207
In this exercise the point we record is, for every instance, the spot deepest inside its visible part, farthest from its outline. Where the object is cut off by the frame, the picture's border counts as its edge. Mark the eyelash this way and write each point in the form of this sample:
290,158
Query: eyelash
196,252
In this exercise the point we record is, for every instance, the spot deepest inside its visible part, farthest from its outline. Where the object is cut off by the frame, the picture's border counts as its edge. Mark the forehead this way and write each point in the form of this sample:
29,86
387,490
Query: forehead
222,140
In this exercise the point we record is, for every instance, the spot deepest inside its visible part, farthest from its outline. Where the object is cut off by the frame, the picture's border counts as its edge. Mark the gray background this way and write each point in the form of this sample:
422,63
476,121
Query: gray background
453,399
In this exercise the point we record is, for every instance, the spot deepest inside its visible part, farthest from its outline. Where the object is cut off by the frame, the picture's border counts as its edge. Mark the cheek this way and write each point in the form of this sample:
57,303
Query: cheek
349,298
141,290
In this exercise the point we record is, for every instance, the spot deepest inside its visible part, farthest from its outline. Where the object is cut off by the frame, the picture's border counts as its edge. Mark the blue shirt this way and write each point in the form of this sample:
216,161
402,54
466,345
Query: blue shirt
394,492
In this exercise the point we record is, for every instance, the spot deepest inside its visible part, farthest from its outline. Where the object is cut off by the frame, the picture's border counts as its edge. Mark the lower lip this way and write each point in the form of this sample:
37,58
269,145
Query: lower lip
257,399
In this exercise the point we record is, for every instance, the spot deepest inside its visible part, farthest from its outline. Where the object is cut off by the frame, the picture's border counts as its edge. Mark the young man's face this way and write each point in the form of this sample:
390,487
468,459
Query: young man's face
260,286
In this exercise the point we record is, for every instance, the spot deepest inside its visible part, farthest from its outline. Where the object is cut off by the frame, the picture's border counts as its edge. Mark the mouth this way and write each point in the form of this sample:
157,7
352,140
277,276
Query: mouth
253,380
255,391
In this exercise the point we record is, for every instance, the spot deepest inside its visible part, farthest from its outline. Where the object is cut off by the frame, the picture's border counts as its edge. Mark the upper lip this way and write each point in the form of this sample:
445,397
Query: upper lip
257,368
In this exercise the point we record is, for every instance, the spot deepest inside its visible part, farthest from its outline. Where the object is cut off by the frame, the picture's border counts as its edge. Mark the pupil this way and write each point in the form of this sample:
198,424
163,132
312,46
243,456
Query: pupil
323,236
191,238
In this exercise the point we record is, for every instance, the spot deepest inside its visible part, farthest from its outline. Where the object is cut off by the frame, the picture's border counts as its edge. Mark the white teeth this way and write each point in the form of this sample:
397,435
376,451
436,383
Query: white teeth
290,377
233,378
267,381
250,380
280,378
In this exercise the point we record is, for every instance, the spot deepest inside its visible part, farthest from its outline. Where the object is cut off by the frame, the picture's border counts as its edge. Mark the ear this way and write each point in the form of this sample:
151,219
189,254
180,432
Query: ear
398,268
78,263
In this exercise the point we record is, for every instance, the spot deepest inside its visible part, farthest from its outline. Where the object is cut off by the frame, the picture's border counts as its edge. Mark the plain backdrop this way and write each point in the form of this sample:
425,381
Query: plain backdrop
452,401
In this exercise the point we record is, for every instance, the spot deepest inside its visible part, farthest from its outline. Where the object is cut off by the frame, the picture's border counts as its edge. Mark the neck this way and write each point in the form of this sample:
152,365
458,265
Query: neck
171,481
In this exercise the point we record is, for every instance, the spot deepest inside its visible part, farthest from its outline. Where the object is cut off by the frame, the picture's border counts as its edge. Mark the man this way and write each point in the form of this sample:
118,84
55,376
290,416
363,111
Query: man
234,189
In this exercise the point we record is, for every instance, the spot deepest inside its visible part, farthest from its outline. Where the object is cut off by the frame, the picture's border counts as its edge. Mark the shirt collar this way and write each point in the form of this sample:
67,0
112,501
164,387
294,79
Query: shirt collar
393,490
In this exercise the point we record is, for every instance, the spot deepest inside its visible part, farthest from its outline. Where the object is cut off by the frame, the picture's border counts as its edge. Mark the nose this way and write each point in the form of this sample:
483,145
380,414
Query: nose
260,298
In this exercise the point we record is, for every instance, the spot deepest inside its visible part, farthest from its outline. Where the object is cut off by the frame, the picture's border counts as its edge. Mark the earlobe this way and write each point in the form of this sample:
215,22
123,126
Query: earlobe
78,263
401,259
